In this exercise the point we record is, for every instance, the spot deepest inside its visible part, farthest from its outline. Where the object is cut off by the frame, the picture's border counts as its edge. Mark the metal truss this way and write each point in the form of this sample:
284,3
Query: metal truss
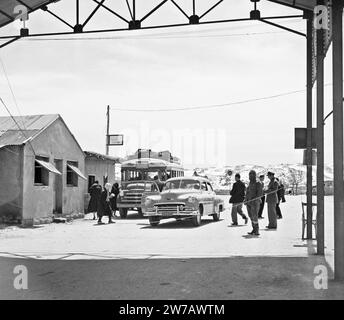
134,22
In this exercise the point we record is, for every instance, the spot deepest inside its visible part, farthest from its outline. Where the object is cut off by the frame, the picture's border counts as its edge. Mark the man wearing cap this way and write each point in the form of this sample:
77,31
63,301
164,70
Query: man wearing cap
272,200
254,193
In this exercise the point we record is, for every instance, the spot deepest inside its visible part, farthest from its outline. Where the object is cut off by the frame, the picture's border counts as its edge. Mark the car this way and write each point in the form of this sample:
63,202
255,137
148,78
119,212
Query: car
183,198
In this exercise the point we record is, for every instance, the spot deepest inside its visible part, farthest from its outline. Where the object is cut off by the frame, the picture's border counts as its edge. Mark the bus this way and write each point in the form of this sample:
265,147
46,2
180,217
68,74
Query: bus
143,175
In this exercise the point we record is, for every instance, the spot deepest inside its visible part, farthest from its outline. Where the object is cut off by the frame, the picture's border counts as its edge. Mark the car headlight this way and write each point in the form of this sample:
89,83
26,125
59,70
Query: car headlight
148,201
191,199
121,193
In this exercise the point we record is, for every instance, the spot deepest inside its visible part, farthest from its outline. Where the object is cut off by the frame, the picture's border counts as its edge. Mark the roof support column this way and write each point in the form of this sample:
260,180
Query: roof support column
309,16
320,142
338,139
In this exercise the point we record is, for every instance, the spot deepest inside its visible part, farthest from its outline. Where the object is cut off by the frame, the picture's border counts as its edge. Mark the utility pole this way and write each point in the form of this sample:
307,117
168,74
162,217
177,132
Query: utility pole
107,130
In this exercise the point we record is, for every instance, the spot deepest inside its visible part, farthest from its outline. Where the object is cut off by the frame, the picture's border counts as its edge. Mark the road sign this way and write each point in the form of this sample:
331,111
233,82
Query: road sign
301,138
115,140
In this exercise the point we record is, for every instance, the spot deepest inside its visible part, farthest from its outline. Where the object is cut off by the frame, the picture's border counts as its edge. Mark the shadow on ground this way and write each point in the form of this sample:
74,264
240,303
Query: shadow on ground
183,224
216,278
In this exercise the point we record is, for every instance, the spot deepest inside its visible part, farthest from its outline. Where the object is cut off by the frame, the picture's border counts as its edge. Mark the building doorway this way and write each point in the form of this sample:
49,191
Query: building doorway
58,187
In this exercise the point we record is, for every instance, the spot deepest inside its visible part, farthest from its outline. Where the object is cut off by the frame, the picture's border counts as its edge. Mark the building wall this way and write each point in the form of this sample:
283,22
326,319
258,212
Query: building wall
100,168
56,142
11,181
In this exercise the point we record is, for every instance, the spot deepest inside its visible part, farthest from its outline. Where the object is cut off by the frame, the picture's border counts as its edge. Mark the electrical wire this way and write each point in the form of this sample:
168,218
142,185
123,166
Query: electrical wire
16,123
214,106
155,37
11,89
168,35
209,106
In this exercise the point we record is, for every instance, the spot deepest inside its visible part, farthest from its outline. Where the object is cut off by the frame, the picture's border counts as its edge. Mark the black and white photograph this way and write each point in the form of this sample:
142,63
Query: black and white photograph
171,156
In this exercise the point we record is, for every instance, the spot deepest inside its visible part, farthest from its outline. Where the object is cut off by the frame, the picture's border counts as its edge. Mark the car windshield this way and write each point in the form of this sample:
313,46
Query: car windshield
182,184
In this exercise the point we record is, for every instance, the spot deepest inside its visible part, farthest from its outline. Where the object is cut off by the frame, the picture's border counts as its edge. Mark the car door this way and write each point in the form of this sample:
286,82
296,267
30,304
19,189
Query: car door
212,197
207,205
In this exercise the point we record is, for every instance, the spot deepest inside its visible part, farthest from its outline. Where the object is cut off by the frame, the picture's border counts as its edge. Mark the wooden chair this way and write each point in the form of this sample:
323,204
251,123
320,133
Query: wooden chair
304,219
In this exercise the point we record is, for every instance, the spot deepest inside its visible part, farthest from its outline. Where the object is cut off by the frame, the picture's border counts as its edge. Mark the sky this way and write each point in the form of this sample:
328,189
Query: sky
150,71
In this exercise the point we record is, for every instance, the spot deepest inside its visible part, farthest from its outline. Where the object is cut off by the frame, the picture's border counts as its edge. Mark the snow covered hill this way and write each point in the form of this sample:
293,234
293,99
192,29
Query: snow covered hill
292,175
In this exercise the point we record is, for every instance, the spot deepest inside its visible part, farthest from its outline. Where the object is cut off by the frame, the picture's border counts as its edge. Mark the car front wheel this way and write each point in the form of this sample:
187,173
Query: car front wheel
154,221
196,220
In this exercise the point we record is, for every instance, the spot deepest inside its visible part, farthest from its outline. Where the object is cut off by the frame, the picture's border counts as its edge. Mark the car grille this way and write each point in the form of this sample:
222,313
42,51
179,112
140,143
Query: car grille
172,209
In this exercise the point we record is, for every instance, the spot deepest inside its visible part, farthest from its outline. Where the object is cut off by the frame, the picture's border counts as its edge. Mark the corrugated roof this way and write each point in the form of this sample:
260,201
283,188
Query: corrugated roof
298,4
91,154
7,8
10,134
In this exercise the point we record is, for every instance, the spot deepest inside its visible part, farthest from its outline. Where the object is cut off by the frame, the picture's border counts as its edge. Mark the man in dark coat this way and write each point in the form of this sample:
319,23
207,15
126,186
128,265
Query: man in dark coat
104,207
95,192
281,197
237,198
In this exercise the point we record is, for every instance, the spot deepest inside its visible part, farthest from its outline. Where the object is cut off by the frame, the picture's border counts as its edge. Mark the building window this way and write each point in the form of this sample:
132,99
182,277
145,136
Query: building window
91,180
72,177
41,173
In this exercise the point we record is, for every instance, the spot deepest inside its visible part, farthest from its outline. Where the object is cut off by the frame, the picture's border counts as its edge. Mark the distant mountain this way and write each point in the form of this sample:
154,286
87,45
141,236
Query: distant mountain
292,175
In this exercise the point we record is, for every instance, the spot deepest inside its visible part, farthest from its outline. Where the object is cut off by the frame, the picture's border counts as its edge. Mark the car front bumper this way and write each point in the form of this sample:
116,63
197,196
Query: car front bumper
170,211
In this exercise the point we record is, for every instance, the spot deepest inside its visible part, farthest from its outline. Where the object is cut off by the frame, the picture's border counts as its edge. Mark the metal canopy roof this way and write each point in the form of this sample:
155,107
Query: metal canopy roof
297,4
32,125
8,10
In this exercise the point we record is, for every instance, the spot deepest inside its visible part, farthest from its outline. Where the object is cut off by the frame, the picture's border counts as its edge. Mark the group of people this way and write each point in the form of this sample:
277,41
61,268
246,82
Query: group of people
254,197
103,201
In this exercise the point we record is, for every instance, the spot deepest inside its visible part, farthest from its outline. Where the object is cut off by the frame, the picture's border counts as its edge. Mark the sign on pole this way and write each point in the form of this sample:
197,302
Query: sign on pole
301,138
115,140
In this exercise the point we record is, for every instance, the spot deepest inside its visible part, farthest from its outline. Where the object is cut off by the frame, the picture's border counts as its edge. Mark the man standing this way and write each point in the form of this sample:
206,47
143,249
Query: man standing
95,191
237,198
280,197
261,209
253,198
272,200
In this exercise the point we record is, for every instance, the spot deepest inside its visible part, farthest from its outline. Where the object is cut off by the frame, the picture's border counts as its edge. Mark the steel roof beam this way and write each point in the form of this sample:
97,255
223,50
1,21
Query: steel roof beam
283,28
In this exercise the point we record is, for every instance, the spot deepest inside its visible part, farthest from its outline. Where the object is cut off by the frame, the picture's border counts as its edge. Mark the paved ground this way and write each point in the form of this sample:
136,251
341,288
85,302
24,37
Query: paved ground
132,260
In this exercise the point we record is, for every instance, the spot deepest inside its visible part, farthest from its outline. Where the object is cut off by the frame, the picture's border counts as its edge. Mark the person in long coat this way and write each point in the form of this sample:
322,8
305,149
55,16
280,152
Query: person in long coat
104,208
272,200
254,193
95,191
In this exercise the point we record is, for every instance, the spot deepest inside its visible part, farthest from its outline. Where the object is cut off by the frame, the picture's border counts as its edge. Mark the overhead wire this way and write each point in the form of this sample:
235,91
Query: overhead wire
11,89
166,35
17,124
169,109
